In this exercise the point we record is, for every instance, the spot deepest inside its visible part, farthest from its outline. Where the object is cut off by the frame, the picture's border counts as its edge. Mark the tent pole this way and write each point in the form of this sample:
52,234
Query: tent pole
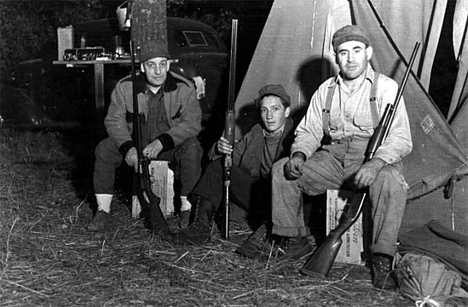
424,47
400,55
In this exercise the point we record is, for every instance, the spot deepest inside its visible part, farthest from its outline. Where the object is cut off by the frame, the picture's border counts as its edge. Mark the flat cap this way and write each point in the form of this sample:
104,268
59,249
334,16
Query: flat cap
349,33
153,49
274,89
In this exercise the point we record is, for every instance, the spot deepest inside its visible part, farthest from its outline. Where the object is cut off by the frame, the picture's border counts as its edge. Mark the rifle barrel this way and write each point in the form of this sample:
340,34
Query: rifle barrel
232,66
401,88
136,127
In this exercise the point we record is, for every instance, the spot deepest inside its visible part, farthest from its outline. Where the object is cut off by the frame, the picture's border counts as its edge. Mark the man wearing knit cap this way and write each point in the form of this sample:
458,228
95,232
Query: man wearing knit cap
329,150
173,121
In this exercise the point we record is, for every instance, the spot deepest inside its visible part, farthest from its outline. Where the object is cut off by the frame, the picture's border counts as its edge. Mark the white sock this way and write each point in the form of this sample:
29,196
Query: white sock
185,204
104,202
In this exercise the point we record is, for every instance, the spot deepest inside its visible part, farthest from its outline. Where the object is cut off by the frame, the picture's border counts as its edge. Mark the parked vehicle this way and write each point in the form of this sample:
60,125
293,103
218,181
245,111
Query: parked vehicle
199,52
19,96
196,47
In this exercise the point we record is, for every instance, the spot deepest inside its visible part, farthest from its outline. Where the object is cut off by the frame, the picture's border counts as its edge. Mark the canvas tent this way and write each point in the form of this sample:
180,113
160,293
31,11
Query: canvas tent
295,50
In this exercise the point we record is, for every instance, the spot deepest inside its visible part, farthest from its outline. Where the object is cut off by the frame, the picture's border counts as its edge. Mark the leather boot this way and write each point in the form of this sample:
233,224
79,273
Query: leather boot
257,246
200,230
101,221
204,214
382,272
295,248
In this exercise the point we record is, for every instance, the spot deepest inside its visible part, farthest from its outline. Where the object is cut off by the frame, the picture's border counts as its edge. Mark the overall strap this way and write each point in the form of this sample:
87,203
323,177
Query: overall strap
373,100
326,110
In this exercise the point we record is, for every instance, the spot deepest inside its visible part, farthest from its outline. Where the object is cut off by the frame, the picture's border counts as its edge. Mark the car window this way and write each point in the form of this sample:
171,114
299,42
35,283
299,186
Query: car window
194,39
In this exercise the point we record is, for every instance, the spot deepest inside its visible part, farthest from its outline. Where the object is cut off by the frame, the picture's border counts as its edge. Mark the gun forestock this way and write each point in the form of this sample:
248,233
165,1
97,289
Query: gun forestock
379,134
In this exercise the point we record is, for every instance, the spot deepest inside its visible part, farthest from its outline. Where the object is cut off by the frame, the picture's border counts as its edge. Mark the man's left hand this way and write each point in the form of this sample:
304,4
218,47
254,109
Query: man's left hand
366,175
153,149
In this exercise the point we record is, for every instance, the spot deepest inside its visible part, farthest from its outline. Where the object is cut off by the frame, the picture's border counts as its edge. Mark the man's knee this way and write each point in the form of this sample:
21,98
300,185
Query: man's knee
191,149
389,178
107,151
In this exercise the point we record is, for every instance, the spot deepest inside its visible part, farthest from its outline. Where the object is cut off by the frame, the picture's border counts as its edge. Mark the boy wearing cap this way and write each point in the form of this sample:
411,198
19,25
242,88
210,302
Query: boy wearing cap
329,148
253,157
173,121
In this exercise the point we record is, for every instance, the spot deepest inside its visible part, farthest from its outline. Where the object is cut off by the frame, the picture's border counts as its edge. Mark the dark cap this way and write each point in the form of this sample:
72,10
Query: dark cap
274,89
349,33
153,49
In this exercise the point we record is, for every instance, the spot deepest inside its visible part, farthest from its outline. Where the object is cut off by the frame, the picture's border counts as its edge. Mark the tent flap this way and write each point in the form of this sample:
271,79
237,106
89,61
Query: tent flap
435,148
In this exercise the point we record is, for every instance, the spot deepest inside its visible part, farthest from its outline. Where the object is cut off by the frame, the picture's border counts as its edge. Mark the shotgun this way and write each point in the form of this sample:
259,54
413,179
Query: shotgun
229,127
149,202
322,259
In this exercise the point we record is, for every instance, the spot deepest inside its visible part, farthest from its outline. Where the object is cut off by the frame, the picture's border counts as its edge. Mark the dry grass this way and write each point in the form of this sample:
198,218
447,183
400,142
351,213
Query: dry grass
48,258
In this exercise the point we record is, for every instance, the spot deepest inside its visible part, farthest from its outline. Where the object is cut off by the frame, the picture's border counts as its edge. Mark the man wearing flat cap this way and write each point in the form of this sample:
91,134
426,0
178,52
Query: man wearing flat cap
173,121
329,150
253,156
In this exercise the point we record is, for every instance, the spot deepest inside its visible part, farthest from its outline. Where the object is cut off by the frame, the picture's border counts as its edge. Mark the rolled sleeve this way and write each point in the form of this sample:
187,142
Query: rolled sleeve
309,132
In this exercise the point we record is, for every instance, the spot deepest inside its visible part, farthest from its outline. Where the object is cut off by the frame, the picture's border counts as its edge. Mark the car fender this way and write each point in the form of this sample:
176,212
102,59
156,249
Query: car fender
191,72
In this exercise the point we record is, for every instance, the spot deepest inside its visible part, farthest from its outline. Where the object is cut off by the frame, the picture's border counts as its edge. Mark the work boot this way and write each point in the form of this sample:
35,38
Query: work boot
101,221
294,248
381,271
184,219
204,213
200,230
185,212
257,245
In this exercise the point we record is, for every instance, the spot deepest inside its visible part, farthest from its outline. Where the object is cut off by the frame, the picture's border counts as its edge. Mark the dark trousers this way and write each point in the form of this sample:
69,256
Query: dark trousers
186,157
251,194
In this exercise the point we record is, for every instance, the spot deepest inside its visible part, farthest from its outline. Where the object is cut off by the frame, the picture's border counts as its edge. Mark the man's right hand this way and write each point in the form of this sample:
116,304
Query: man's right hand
132,158
293,168
223,146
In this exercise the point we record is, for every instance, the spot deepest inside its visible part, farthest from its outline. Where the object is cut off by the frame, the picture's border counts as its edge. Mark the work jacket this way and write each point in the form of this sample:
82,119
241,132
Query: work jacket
180,102
248,151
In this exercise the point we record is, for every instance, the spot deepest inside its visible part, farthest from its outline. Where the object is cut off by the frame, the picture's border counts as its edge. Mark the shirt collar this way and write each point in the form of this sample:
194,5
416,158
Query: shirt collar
277,133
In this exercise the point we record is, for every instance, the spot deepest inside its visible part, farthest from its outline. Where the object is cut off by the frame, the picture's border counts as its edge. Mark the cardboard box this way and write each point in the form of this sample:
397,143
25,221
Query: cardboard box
162,185
65,40
352,247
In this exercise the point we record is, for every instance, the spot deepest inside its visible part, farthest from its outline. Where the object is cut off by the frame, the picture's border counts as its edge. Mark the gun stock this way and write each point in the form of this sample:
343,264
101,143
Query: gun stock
149,202
321,261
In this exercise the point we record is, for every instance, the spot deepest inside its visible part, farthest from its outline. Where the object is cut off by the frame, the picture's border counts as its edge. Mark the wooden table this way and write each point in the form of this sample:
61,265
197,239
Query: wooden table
98,66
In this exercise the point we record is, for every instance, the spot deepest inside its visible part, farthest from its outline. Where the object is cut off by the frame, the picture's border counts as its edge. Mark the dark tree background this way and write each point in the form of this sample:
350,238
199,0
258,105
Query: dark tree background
28,28
149,20
28,32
